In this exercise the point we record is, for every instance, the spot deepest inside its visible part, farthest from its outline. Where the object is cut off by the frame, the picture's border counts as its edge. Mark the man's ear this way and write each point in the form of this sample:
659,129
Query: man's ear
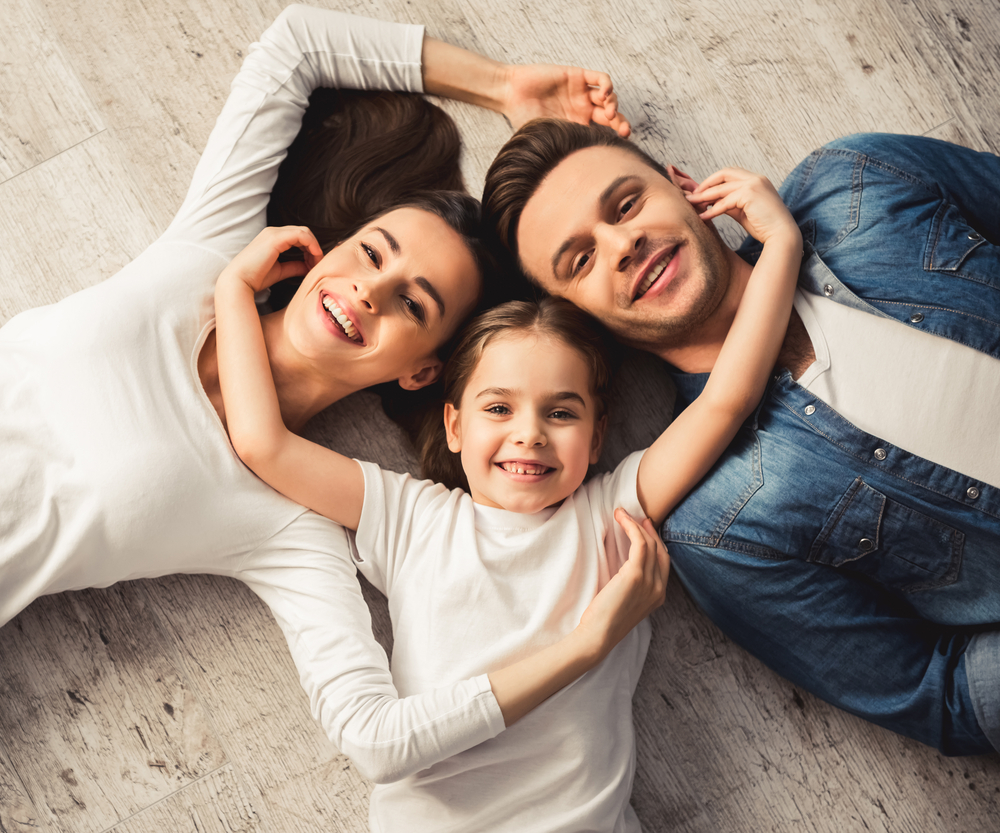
598,442
423,377
452,429
681,179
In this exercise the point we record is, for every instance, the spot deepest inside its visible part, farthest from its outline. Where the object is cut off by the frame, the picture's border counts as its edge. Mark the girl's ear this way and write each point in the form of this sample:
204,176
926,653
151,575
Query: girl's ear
598,442
452,428
681,179
423,377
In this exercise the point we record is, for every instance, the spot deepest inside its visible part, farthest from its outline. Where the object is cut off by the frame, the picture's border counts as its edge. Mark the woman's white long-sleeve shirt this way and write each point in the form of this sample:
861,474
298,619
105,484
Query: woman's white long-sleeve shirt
116,466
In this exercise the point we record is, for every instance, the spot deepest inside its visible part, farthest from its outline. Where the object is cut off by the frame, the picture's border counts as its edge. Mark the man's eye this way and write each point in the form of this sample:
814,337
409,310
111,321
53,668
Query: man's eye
372,254
626,206
583,261
416,310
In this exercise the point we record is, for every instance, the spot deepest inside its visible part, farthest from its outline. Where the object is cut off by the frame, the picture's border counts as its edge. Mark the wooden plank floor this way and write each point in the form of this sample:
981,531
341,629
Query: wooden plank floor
172,705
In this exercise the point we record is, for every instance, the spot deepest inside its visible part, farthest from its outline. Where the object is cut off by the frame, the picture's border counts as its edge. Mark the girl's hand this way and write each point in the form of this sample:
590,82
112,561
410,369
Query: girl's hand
257,265
748,198
634,592
547,91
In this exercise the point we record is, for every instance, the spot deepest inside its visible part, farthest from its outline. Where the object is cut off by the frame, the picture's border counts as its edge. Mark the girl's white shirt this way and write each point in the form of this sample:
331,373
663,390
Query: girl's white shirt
472,589
116,466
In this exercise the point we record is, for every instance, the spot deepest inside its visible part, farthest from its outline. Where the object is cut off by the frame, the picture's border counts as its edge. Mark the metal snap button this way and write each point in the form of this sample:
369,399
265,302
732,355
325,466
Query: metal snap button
809,410
880,454
828,290
975,235
866,545
917,317
972,492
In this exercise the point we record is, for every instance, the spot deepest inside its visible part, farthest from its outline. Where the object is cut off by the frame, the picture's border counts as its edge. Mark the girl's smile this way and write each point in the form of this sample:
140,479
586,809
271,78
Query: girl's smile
527,428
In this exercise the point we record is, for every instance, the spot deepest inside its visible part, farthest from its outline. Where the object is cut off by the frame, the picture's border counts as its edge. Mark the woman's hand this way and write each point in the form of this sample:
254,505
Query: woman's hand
547,91
521,93
257,265
634,592
748,198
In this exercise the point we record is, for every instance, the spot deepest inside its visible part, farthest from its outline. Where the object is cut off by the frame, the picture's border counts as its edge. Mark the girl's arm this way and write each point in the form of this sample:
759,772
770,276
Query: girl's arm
692,443
311,474
635,591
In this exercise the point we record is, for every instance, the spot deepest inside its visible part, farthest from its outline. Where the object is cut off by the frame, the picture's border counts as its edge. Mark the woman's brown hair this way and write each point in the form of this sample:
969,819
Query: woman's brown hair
550,316
360,154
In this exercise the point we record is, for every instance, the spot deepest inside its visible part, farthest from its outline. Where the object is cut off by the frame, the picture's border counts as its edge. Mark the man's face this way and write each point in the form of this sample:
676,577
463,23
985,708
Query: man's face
607,232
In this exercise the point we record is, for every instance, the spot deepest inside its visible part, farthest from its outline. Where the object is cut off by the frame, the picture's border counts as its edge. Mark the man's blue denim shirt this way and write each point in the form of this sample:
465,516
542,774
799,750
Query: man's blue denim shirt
863,573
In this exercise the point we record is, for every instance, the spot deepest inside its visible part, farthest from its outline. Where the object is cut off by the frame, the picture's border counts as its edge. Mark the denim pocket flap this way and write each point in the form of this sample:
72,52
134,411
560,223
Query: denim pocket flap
951,240
890,543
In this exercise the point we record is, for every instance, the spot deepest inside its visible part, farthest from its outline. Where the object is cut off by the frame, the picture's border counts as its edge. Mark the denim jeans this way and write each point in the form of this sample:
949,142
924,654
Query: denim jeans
861,572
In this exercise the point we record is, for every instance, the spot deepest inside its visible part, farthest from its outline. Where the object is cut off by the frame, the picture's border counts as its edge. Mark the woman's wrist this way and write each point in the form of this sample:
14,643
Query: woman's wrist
452,72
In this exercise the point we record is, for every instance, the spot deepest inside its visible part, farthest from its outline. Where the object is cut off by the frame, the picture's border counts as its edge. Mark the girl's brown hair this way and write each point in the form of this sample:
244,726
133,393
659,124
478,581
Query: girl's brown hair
554,317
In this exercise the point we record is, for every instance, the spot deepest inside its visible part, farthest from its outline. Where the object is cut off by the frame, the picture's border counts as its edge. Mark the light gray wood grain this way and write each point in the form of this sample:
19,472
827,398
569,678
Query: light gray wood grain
106,106
98,720
44,108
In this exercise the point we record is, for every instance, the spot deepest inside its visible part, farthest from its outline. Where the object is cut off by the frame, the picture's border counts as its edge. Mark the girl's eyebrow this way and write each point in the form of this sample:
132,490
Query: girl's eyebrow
509,393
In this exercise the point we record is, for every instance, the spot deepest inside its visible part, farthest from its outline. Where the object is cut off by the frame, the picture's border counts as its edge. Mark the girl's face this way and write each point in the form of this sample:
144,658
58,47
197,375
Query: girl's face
526,426
379,305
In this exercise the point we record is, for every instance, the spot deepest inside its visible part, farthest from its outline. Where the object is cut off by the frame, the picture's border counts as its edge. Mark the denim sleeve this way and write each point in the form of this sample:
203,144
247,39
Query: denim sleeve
970,179
844,640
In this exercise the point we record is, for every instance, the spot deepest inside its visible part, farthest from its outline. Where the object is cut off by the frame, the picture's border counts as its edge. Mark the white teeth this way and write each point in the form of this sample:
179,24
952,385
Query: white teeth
514,468
340,318
654,273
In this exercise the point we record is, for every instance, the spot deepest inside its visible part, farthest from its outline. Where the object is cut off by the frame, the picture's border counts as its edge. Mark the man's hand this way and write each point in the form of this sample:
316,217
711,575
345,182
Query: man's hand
748,198
547,91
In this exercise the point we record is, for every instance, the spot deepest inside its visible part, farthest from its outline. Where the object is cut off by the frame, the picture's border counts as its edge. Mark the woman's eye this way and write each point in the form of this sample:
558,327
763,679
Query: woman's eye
416,310
372,254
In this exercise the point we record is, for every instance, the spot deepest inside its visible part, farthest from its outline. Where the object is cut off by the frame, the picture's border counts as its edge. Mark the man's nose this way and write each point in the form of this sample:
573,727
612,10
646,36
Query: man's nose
625,243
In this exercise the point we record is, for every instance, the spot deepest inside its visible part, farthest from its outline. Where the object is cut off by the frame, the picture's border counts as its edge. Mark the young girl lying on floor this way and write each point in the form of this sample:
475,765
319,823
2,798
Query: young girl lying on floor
523,578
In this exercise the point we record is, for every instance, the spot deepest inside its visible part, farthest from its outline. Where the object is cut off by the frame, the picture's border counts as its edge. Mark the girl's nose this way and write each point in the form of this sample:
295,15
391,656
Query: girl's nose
528,432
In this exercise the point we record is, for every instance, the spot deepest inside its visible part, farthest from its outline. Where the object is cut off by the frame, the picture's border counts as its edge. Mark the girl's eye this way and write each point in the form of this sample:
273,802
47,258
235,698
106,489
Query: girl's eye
414,307
372,254
583,261
499,410
562,414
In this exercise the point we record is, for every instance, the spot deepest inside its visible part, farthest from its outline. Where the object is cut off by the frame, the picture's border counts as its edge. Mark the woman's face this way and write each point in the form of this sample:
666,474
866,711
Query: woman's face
379,305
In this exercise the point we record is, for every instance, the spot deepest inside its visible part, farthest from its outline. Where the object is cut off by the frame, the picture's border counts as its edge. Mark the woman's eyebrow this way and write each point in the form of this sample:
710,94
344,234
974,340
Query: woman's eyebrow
391,241
428,287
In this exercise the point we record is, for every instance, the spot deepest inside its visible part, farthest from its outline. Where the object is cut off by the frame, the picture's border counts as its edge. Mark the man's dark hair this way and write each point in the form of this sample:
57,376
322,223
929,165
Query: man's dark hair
528,157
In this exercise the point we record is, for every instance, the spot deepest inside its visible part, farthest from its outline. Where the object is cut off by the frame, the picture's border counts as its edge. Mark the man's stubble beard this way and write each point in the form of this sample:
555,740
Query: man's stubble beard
658,329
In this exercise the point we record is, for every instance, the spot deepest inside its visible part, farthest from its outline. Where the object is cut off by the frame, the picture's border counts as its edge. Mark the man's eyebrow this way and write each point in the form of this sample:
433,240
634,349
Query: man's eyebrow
428,287
605,195
392,241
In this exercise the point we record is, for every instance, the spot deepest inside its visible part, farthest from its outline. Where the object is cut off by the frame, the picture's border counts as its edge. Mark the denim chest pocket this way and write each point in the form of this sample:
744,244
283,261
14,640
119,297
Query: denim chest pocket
953,246
893,545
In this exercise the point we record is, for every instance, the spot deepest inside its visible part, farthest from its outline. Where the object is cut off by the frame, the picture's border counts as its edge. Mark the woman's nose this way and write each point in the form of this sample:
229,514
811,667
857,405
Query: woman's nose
368,295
